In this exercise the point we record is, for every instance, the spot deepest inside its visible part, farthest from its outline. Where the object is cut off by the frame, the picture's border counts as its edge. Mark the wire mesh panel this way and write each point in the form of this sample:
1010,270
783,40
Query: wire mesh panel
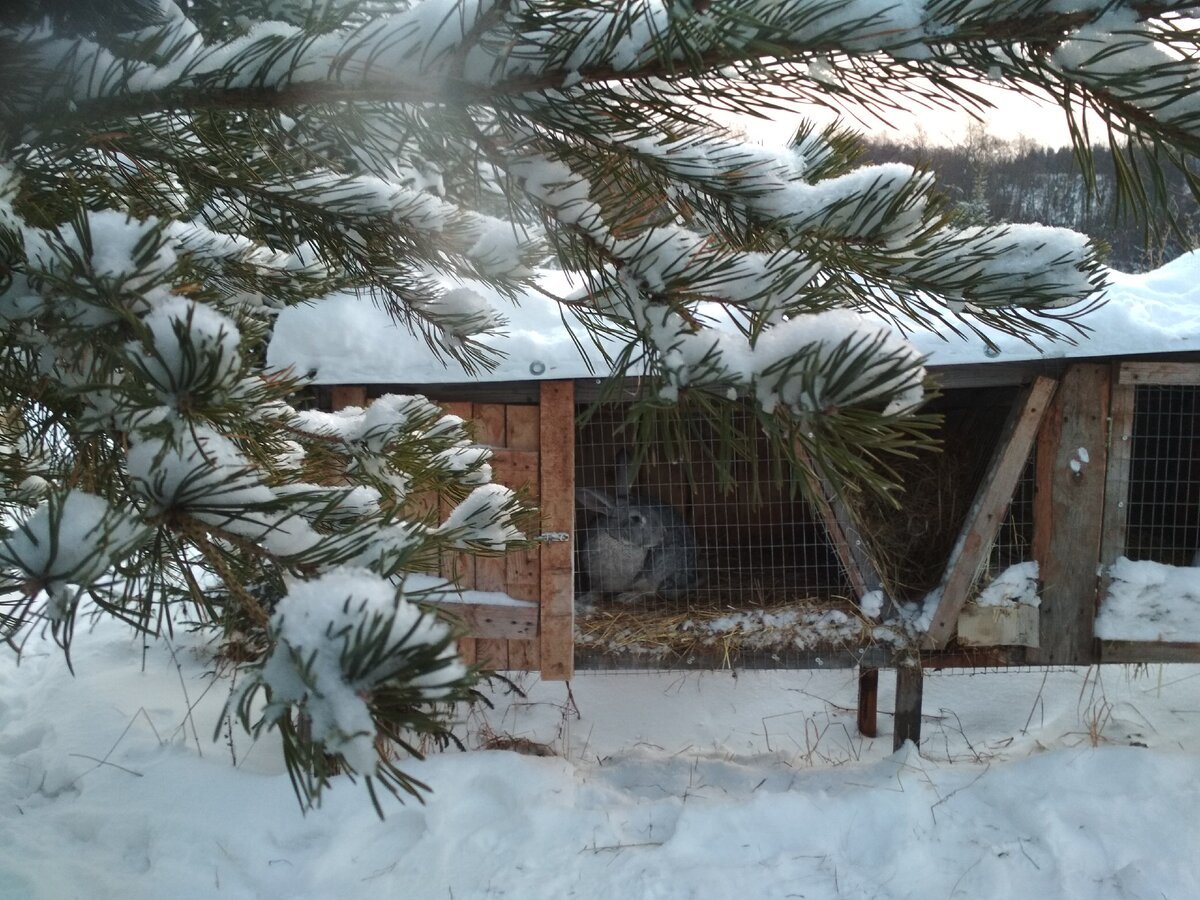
677,568
913,544
1163,507
1014,541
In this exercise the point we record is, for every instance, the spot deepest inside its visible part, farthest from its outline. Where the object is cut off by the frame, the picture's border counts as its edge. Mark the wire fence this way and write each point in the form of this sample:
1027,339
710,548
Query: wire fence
1163,506
677,567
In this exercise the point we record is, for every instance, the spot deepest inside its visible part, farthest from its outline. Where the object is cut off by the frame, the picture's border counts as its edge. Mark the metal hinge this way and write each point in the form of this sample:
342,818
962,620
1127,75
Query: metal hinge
553,537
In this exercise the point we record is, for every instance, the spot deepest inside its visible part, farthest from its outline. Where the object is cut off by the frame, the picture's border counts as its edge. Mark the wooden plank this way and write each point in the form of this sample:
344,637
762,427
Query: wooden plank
1149,652
459,565
986,514
489,428
343,395
1116,482
1009,625
517,466
557,443
1068,515
525,655
842,532
494,621
910,685
466,650
1159,373
868,702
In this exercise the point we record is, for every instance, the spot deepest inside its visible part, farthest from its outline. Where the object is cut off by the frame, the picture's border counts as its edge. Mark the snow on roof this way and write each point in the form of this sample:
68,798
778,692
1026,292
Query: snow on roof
346,339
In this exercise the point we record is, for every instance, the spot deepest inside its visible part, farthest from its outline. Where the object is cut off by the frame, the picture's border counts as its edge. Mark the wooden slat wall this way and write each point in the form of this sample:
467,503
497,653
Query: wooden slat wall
534,452
533,449
1069,515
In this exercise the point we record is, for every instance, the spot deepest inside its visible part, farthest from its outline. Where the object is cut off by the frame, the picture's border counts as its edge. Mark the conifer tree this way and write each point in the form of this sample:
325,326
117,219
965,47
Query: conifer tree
175,172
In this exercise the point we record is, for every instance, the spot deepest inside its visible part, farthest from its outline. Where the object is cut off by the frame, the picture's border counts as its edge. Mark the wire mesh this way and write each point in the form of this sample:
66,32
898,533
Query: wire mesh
1163,506
1013,543
676,568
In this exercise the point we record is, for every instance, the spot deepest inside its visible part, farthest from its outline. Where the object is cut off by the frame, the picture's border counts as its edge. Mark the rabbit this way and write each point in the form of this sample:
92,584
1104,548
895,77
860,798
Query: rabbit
635,547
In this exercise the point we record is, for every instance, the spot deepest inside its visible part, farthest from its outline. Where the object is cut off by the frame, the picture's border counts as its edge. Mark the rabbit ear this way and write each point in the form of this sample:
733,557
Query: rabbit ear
593,500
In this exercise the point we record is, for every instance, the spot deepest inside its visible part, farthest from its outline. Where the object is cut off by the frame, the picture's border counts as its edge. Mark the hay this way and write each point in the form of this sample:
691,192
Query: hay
662,631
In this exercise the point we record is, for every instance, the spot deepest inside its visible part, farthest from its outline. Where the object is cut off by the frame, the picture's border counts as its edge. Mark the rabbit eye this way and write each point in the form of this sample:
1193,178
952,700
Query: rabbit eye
635,519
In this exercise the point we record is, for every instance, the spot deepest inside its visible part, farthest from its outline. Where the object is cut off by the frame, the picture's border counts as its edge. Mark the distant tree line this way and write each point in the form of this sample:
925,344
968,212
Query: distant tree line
990,180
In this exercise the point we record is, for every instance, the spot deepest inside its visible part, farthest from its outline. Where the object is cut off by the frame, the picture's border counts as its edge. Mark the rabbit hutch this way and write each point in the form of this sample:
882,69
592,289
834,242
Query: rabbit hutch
1060,524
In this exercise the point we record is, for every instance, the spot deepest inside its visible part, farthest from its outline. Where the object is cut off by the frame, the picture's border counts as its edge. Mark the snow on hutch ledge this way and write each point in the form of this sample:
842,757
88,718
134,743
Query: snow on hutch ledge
348,340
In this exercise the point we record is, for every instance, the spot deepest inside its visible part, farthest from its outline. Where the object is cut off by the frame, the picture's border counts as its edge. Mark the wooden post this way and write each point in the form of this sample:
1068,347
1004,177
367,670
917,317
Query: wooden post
860,572
1116,482
868,702
909,688
1068,515
987,510
558,516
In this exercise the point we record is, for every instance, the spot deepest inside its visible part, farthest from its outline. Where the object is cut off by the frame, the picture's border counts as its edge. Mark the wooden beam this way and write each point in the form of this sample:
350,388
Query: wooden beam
557,477
986,514
1159,373
1149,652
494,622
1116,482
1068,515
910,685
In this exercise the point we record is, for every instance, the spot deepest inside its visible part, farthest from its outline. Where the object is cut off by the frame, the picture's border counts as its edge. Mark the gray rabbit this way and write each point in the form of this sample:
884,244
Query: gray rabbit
635,546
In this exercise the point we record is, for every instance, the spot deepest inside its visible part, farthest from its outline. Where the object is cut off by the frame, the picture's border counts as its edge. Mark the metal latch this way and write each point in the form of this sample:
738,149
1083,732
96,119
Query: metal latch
553,537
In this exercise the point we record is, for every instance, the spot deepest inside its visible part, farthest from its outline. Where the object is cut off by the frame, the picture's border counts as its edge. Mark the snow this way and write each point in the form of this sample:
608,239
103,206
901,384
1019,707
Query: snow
1018,584
1149,601
346,340
316,626
1065,784
72,539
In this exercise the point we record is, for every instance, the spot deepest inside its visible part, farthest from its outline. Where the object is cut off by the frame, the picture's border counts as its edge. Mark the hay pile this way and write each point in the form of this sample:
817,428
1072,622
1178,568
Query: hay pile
662,632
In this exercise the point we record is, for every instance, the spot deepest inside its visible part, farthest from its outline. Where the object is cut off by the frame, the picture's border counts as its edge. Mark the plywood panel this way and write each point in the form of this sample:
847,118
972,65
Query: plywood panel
1069,514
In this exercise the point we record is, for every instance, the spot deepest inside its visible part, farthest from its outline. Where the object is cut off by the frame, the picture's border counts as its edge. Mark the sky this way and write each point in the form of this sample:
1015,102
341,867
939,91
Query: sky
1013,116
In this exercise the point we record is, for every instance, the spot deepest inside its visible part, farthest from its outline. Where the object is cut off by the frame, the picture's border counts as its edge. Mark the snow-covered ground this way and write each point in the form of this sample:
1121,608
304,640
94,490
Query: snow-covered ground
1061,784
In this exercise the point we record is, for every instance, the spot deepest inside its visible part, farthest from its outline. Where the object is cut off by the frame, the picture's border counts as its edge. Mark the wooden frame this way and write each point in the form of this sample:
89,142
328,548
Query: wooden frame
986,514
532,448
1079,522
1127,377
